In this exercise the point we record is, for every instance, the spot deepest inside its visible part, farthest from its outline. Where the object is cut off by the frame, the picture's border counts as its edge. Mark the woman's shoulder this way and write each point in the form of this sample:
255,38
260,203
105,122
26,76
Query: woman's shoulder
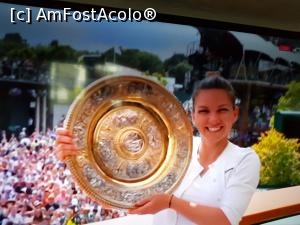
241,150
243,153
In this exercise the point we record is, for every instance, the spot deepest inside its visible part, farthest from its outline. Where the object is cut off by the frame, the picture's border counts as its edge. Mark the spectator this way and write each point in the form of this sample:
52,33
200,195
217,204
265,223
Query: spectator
37,189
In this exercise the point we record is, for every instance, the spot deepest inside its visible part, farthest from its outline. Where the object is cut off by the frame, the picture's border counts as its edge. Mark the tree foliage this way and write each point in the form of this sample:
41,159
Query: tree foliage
291,99
134,58
141,60
176,66
280,159
12,42
173,61
14,46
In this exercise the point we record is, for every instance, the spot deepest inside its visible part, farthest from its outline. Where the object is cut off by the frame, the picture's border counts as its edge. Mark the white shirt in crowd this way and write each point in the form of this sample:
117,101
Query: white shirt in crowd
228,184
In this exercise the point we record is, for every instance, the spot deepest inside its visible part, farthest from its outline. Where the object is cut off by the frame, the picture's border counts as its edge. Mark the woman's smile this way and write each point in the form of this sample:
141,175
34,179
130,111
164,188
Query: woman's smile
214,129
214,115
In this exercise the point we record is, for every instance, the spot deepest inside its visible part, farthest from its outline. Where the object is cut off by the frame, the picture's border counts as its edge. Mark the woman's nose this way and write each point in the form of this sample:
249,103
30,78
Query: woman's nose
214,118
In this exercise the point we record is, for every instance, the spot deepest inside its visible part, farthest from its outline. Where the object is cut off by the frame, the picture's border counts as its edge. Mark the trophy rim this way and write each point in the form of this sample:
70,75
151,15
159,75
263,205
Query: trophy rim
72,161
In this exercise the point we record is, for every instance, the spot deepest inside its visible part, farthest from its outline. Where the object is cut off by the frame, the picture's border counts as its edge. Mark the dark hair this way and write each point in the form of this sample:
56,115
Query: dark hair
214,82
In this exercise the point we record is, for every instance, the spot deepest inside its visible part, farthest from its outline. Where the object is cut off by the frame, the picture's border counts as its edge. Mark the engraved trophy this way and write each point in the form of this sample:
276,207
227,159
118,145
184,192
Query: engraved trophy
134,138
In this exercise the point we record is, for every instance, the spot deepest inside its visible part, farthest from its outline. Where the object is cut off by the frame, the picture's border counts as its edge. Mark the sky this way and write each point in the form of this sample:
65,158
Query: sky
162,39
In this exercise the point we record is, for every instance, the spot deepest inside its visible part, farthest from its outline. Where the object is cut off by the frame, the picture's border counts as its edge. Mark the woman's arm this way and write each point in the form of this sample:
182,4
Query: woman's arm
235,199
198,214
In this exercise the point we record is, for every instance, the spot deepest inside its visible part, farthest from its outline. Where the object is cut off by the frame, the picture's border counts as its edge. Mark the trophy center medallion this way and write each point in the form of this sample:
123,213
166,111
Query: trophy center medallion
131,141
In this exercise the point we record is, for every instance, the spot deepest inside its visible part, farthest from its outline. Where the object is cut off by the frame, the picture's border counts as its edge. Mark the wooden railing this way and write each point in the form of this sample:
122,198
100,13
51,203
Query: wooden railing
273,204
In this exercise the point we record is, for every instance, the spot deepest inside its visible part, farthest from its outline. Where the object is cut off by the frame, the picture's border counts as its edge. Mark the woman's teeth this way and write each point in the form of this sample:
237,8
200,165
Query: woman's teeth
214,129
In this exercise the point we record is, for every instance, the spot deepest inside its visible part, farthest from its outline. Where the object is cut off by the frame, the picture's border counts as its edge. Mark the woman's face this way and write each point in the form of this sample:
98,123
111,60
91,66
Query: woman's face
214,115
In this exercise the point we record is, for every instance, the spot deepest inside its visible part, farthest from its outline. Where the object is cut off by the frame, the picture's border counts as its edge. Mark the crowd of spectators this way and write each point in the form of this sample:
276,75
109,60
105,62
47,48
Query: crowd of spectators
14,69
261,116
37,189
259,121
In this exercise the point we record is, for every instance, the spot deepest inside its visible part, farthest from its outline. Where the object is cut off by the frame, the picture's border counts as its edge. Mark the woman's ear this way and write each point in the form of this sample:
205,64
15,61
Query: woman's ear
236,112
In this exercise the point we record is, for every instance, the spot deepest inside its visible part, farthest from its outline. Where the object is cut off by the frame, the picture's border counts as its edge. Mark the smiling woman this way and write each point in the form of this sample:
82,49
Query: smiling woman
219,169
214,110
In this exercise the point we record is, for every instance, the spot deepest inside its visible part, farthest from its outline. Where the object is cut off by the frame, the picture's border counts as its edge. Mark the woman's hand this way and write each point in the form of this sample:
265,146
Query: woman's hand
151,205
65,144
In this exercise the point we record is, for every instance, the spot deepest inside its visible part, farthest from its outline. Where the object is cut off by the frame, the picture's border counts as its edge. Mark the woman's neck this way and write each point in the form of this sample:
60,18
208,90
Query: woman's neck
210,152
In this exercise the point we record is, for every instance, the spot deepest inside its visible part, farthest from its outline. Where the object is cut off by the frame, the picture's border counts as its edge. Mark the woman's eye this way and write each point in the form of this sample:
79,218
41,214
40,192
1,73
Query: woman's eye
202,111
223,110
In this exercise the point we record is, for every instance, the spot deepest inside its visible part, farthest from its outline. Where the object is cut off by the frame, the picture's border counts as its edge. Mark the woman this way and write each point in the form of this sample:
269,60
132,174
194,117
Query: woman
221,178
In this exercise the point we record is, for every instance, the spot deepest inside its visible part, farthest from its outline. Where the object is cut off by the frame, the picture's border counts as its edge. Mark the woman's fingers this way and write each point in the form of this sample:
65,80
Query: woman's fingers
151,205
64,147
142,202
139,206
64,150
64,139
65,144
63,131
145,209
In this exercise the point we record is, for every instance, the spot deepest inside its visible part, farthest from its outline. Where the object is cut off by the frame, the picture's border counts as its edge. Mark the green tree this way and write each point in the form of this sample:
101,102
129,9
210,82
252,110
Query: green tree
11,43
176,66
179,71
173,61
291,99
110,55
22,53
159,76
59,52
141,60
42,53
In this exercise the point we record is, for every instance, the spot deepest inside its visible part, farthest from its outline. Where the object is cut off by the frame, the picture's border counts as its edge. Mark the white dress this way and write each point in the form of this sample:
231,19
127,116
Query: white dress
228,184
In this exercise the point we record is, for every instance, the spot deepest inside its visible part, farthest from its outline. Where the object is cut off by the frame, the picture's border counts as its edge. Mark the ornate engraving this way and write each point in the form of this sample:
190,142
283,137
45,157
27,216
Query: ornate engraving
166,183
102,94
132,197
183,148
133,142
105,148
125,118
125,127
81,160
139,88
89,172
135,170
79,132
169,107
153,137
